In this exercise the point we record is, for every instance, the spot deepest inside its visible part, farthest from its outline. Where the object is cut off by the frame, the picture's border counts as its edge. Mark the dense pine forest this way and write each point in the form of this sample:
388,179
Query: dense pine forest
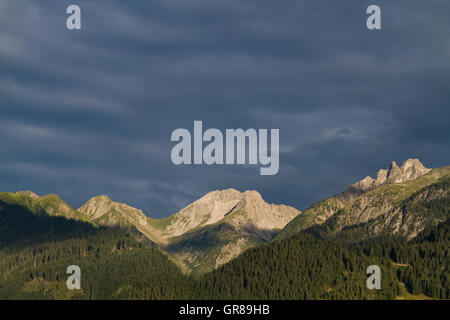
35,251
304,267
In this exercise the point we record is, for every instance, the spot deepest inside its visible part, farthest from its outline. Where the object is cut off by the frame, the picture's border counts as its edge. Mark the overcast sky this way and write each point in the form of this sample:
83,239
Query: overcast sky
91,112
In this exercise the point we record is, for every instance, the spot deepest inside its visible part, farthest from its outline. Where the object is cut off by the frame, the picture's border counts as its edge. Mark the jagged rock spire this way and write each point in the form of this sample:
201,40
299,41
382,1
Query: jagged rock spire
411,169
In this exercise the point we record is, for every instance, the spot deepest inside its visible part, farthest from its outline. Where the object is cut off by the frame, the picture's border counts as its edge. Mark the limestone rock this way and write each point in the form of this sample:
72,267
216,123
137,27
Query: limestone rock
411,169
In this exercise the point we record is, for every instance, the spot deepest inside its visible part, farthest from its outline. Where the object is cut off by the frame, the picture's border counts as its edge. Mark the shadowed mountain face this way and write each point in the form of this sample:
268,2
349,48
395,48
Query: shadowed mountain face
398,201
24,222
51,204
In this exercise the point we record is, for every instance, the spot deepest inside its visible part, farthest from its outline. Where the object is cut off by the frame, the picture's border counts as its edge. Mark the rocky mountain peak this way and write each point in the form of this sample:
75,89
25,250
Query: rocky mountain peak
101,198
219,204
103,210
411,169
96,207
226,222
209,209
219,196
252,195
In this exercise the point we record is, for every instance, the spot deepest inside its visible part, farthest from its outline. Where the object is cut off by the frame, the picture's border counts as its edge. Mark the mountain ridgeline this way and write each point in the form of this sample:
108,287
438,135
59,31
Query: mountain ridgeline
207,233
233,245
388,204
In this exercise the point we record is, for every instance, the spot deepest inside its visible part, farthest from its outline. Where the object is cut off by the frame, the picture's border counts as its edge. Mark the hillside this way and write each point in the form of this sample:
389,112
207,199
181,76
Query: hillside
305,267
55,206
361,203
50,204
423,209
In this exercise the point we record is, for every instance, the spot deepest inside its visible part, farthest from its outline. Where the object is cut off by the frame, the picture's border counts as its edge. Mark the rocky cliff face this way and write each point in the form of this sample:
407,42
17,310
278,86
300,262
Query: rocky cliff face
374,214
217,205
230,222
207,210
425,208
411,169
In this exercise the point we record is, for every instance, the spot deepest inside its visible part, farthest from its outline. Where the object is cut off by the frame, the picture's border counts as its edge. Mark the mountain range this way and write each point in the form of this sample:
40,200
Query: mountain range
222,224
204,235
219,227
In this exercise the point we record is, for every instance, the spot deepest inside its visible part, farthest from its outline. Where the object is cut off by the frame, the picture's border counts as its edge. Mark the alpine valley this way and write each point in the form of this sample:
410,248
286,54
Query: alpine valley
234,245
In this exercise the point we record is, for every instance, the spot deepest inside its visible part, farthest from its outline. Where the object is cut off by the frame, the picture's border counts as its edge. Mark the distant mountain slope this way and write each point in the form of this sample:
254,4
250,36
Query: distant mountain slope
363,202
423,209
55,206
30,194
24,222
22,200
233,222
207,233
50,204
104,211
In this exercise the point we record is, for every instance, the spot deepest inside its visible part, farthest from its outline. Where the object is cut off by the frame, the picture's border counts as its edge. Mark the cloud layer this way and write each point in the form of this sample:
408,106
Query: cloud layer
91,112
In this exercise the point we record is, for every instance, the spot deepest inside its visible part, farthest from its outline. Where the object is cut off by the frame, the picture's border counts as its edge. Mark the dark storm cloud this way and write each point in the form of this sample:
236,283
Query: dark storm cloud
91,112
